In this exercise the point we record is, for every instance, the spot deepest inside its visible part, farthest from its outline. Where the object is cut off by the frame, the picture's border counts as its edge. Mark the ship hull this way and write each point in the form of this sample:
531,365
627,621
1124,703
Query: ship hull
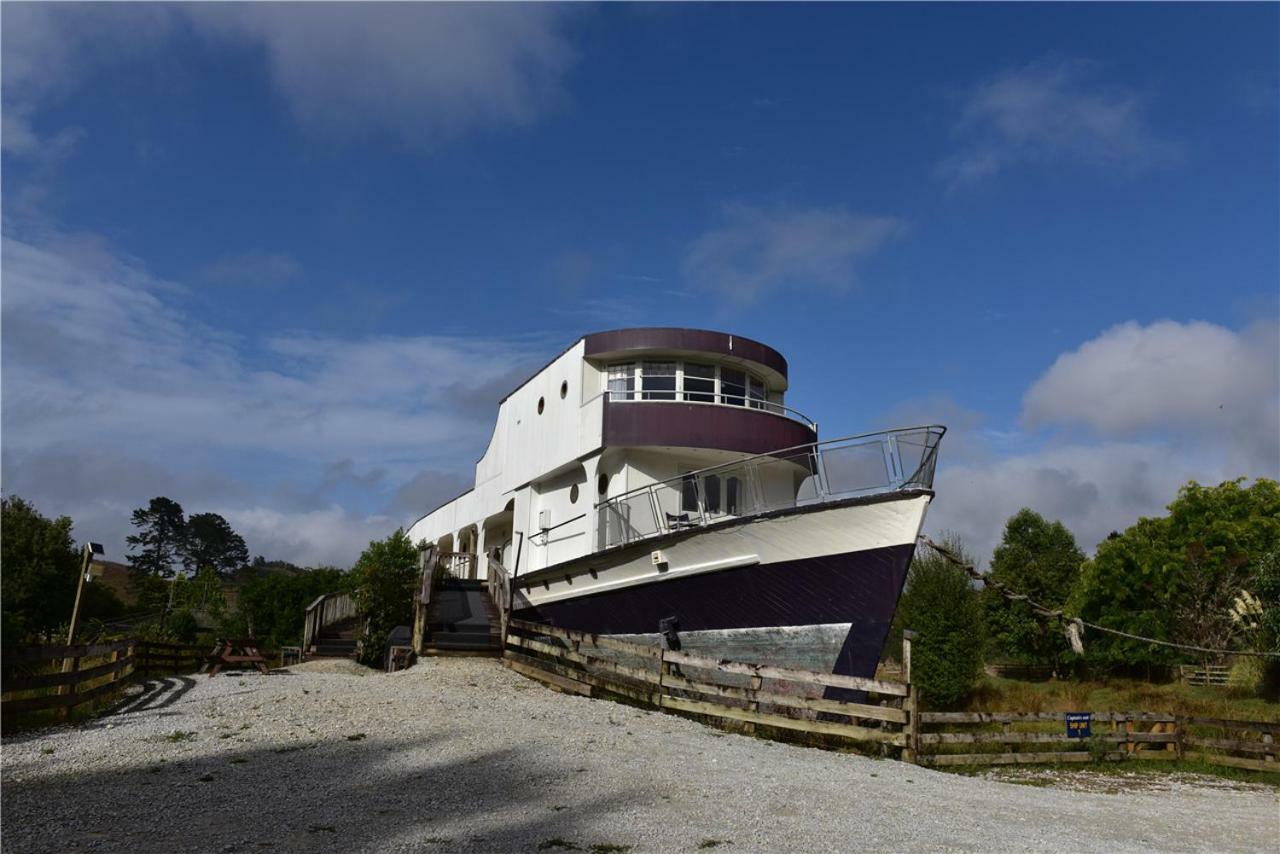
816,588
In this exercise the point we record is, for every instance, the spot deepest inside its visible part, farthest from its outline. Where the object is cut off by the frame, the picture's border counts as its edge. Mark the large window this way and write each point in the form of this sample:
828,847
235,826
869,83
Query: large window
659,380
733,387
699,382
622,381
694,382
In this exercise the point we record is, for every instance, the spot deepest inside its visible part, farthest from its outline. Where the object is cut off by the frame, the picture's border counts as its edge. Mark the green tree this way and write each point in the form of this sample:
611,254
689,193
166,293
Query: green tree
272,605
1038,558
943,609
383,581
38,585
211,542
161,537
1174,577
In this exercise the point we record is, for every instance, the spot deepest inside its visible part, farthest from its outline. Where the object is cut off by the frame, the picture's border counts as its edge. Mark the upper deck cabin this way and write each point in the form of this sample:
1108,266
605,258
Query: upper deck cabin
615,412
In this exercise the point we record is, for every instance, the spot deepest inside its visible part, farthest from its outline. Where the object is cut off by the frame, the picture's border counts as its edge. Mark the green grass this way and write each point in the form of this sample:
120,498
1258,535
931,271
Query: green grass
1119,695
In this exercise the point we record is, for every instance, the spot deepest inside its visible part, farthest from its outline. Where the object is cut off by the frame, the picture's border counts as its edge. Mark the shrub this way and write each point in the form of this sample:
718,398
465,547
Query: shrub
942,608
383,582
183,626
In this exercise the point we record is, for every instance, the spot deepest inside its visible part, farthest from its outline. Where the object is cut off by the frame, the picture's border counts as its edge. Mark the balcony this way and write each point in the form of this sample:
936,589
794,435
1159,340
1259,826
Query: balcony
821,472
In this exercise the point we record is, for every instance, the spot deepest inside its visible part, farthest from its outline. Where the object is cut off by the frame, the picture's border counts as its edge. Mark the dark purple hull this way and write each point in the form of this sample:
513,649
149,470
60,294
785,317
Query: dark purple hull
860,588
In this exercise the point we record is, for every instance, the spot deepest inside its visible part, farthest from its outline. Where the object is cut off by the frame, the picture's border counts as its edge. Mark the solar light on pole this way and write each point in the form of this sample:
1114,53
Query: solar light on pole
90,549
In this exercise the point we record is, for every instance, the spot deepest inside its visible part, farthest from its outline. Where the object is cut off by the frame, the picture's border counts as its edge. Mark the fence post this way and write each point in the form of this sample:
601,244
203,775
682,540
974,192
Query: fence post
1179,734
72,666
664,670
910,704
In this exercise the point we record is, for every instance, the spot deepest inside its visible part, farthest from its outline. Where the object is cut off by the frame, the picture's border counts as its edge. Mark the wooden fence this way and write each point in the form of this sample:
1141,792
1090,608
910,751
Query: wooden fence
748,695
1210,674
61,678
1008,738
727,692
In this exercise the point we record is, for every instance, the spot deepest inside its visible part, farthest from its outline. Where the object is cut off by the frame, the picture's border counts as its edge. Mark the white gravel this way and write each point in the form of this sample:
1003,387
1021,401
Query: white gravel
462,755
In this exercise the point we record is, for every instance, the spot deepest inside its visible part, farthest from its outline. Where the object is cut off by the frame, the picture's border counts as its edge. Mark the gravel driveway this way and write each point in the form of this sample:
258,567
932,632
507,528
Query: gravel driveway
463,755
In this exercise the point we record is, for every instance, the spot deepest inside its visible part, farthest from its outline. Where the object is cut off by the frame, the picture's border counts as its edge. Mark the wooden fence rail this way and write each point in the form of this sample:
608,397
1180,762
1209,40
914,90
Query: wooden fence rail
1122,735
749,695
728,692
61,678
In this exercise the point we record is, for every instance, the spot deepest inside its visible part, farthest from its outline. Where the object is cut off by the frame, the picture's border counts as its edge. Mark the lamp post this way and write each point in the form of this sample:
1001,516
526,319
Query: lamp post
90,549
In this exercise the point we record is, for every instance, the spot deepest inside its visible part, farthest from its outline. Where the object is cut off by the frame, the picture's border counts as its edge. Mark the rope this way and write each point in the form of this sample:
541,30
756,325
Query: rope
1069,622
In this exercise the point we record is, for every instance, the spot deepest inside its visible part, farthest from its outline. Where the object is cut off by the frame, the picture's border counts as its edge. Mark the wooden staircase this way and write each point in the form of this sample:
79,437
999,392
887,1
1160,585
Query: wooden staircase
462,620
337,640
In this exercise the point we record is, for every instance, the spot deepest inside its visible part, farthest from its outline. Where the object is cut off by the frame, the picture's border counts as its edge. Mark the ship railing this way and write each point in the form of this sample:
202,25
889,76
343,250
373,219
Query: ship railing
815,473
707,398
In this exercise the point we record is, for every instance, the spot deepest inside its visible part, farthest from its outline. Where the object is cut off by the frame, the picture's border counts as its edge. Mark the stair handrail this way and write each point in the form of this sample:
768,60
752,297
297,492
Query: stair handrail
499,583
325,611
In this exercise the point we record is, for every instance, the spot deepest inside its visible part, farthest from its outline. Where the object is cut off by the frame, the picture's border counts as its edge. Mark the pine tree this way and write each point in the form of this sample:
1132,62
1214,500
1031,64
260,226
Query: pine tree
160,540
212,543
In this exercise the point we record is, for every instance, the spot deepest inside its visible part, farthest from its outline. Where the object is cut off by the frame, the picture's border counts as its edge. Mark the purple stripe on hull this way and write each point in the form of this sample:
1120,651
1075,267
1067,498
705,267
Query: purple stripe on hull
860,588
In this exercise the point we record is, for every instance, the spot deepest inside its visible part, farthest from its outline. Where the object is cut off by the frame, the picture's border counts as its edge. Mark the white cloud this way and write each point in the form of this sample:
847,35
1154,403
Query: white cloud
754,250
1169,377
105,379
424,72
1093,489
1049,111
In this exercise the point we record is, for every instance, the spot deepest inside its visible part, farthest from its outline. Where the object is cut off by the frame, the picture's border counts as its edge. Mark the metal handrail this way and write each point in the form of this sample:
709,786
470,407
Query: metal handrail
864,464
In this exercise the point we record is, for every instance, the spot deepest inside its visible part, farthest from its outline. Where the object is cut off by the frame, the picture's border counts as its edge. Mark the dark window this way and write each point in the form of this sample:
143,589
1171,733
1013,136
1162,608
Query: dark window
733,387
658,380
700,382
573,494
731,496
688,494
602,484
542,404
711,493
564,389
757,394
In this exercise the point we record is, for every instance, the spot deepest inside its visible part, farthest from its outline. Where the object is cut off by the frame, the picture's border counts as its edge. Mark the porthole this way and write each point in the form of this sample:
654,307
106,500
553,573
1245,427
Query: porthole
573,494
542,404
564,389
602,484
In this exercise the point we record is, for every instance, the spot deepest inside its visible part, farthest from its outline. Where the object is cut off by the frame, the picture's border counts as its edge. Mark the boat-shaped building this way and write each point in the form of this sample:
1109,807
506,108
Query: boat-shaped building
656,479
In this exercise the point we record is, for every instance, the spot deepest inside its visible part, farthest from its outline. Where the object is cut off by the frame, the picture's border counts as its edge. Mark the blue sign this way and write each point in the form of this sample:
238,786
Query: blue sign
1078,724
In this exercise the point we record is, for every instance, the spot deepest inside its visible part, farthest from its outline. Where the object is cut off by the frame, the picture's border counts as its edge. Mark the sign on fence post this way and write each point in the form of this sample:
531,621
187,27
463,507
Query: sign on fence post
1078,724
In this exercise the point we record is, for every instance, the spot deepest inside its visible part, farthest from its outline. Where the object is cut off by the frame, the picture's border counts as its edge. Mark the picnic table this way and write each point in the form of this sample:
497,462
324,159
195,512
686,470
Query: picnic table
242,651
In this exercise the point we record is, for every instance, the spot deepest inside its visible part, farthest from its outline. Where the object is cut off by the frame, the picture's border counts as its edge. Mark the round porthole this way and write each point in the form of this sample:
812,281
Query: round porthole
602,484
542,404
564,389
573,494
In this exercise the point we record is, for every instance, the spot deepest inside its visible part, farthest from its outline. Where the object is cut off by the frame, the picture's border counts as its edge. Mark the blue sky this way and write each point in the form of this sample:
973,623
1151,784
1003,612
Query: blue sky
280,262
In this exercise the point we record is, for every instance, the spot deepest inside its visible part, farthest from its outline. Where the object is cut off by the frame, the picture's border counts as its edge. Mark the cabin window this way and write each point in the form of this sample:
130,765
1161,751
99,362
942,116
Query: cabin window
573,494
696,382
542,404
733,387
731,496
711,493
658,380
622,381
699,382
564,389
688,494
602,484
